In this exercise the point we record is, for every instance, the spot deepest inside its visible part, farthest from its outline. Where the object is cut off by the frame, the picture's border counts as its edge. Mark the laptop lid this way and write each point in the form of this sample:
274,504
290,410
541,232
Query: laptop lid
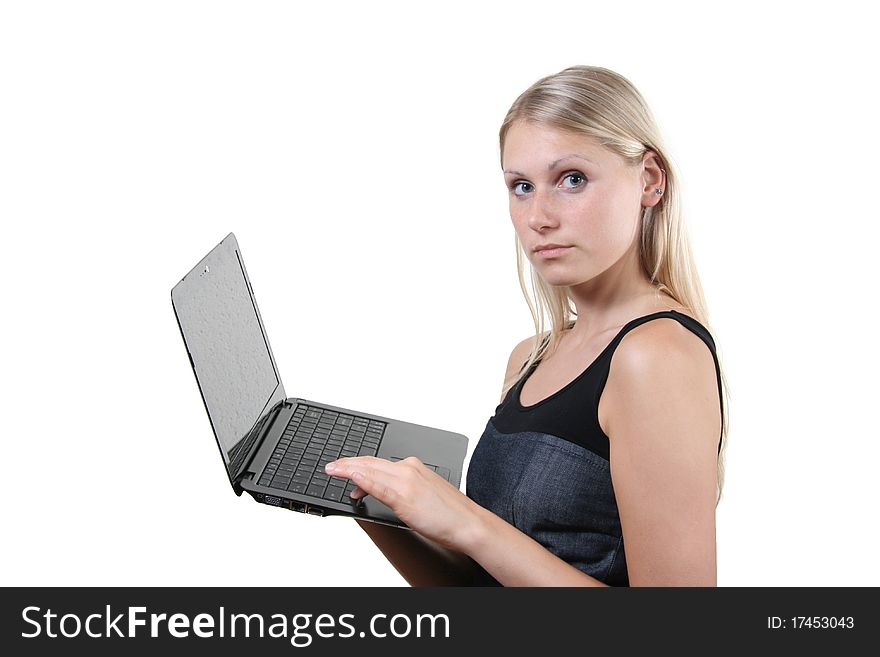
227,346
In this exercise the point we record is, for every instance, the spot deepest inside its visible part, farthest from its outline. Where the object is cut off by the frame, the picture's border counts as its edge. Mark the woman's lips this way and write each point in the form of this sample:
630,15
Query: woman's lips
553,253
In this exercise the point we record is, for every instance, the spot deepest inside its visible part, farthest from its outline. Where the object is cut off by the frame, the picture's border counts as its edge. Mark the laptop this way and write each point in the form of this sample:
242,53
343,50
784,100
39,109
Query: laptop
275,447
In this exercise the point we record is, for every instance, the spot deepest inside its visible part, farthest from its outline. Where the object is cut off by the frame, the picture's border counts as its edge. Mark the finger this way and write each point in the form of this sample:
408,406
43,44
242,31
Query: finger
385,480
351,463
382,485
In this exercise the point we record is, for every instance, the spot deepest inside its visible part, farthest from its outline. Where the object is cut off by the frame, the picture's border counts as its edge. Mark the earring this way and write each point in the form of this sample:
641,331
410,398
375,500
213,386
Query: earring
659,191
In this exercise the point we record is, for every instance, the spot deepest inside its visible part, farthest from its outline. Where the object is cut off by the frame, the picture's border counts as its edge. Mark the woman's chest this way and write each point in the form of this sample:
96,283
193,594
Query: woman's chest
559,369
548,379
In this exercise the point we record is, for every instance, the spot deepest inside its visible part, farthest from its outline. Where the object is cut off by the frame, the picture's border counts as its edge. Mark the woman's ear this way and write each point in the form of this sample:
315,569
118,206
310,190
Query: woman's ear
653,179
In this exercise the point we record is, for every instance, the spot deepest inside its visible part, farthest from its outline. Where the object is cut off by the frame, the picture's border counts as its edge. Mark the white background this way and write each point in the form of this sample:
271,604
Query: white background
353,150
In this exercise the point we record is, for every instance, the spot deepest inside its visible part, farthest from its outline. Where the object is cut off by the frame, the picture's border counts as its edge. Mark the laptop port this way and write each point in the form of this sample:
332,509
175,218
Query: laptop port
316,512
274,501
298,506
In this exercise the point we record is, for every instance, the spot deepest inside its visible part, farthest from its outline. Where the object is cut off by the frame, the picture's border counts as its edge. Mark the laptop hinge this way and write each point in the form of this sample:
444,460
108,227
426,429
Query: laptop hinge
263,428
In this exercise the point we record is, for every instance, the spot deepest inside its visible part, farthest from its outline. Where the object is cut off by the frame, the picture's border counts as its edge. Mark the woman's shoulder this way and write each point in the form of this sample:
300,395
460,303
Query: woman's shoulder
662,337
658,366
660,353
521,352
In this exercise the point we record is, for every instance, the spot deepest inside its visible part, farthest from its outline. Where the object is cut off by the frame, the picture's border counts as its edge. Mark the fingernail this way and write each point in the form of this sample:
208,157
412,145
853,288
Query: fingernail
330,467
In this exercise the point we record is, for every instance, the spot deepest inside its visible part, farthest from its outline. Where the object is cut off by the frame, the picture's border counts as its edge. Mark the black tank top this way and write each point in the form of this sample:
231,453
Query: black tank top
573,412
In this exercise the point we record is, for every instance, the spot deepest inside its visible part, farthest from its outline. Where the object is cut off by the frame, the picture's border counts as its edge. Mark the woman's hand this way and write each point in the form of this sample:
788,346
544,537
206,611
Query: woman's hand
419,496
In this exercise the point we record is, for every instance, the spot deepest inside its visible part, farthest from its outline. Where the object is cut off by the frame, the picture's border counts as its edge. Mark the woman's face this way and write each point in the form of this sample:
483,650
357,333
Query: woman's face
566,189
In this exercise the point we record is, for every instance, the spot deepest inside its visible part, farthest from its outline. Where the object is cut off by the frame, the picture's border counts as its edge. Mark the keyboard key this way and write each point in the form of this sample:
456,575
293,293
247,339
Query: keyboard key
334,493
316,490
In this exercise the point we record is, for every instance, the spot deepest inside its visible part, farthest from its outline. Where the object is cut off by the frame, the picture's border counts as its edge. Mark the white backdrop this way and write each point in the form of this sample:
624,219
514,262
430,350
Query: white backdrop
353,150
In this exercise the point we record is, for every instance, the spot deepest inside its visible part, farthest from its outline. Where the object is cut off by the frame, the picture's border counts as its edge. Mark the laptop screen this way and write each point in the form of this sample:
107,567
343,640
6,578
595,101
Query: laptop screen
227,344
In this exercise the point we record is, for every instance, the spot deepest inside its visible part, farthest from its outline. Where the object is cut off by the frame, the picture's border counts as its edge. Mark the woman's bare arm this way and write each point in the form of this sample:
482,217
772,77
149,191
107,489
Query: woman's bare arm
664,422
419,560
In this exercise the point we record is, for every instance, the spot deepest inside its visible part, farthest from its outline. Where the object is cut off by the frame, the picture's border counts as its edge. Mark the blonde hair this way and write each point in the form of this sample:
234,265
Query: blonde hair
602,104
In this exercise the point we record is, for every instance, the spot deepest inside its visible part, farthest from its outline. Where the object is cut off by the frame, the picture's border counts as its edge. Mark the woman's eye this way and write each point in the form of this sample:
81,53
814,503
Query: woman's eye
517,186
577,178
570,181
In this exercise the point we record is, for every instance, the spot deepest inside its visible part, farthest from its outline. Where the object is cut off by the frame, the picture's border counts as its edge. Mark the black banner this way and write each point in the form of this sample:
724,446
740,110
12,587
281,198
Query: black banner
431,621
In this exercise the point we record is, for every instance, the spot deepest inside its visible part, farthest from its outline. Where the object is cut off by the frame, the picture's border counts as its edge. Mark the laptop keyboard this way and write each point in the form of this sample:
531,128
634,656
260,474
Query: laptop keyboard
313,438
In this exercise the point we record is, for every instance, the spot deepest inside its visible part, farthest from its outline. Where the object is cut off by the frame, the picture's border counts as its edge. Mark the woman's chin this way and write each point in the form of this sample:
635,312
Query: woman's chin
566,279
560,281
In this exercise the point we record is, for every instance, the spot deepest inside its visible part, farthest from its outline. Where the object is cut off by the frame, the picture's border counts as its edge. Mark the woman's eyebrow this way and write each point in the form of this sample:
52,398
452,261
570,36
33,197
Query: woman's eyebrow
555,163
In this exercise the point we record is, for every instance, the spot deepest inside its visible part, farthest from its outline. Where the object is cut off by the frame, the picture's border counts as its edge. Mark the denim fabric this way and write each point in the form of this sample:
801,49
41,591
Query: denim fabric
555,491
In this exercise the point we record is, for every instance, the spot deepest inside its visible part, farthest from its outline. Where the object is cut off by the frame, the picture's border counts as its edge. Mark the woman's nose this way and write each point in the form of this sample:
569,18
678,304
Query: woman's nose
541,211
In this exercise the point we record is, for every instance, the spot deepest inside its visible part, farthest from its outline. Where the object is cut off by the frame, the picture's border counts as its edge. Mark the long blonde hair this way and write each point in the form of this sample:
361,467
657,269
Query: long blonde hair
602,104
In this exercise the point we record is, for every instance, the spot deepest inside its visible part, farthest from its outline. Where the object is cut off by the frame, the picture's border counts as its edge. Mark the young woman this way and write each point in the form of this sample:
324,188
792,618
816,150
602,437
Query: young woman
602,464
